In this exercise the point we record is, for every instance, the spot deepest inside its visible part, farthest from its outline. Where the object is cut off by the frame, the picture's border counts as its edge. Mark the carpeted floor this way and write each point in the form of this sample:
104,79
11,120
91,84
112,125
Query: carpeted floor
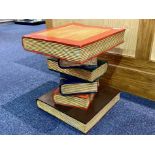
24,77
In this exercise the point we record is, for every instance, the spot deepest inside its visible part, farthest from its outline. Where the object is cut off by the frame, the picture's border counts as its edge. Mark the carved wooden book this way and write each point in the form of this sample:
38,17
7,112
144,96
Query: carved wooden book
74,42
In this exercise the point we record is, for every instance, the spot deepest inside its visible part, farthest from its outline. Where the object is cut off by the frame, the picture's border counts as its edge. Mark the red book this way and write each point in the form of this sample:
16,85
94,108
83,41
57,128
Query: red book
81,101
74,42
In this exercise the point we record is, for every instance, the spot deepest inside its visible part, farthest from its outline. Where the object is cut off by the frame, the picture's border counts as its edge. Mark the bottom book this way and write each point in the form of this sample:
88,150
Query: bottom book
82,120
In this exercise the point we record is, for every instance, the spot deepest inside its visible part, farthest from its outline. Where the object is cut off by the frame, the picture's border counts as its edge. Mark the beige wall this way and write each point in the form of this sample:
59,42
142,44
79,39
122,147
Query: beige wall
153,50
128,47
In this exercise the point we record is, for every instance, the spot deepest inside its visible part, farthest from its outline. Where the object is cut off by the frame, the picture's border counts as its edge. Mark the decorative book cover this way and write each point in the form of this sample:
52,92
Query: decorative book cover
81,101
72,86
86,74
67,64
74,42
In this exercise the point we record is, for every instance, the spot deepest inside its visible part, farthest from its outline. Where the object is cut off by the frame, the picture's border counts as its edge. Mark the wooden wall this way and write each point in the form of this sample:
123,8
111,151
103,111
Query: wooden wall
131,65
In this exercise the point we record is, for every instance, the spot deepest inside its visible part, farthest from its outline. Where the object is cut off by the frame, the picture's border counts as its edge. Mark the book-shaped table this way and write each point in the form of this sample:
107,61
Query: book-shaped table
72,50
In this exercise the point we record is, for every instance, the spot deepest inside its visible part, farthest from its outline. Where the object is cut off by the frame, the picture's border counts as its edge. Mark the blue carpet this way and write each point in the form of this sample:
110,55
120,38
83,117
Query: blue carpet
24,77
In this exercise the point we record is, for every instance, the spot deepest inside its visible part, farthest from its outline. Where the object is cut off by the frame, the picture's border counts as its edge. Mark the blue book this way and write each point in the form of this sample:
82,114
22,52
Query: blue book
71,85
90,74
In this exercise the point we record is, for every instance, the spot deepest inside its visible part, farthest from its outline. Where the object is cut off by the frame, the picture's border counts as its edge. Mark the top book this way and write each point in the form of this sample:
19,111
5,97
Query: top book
74,42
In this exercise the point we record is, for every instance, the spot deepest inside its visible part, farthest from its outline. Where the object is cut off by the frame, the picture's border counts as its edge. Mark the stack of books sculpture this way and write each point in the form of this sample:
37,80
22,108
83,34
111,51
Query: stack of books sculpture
72,51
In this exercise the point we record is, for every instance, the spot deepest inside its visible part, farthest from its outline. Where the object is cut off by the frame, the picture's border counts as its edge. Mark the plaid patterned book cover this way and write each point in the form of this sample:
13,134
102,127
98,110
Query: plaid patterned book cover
81,101
72,85
74,42
88,74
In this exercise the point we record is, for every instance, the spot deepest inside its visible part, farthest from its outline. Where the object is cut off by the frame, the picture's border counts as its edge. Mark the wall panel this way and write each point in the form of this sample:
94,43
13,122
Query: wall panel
153,50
